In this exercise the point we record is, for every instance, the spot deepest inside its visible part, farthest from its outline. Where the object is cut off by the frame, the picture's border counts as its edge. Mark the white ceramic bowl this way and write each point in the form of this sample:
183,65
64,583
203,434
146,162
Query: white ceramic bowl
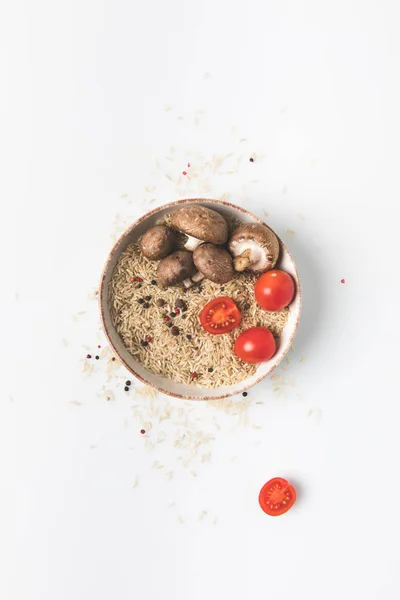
162,384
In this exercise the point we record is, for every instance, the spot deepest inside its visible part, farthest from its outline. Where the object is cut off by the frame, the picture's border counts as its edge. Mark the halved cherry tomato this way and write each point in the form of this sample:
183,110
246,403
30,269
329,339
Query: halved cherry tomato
255,345
220,315
274,290
277,496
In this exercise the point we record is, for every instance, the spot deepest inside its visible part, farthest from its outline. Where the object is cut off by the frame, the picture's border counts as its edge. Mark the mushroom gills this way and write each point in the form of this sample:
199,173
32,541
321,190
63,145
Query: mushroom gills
249,254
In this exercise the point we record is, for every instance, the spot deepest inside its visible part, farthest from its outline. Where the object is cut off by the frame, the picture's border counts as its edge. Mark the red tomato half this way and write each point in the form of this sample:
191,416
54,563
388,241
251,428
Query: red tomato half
274,290
277,496
220,315
255,345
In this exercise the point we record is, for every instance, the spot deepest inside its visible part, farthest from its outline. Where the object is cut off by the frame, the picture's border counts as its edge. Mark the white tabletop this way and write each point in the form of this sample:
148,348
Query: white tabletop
106,102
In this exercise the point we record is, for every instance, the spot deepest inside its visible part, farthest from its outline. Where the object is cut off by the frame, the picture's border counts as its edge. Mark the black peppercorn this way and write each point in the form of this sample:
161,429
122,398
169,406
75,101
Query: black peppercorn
251,159
153,282
148,298
146,305
140,300
144,343
126,388
189,337
169,324
97,357
128,382
210,370
172,314
244,394
175,330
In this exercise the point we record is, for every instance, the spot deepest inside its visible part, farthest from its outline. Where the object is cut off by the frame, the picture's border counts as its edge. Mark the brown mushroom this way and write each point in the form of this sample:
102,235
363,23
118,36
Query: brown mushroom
254,247
157,242
175,268
212,263
200,224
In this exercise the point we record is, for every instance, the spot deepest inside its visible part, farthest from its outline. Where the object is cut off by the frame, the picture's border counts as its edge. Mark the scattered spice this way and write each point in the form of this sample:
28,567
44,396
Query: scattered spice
251,159
177,311
184,173
166,319
99,346
97,357
144,343
189,337
148,298
181,304
342,281
146,305
172,314
88,356
153,282
128,382
132,279
148,339
142,431
246,306
139,286
169,324
188,164
244,394
175,330
193,375
160,302
139,279
126,388
140,300
184,316
113,358
210,370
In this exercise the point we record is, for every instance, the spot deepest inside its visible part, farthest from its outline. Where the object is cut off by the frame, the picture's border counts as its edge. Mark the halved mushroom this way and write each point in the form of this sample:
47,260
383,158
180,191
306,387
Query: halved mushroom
157,242
200,224
212,263
254,247
175,268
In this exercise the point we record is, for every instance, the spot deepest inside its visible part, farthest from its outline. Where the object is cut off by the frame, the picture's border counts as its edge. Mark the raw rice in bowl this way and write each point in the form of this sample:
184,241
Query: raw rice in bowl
156,331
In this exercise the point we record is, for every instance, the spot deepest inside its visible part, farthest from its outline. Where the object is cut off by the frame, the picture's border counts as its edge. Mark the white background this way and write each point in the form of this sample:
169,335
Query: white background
94,95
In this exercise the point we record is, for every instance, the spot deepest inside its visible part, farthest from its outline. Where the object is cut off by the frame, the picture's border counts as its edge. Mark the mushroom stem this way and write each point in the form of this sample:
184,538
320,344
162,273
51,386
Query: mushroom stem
196,278
192,243
243,261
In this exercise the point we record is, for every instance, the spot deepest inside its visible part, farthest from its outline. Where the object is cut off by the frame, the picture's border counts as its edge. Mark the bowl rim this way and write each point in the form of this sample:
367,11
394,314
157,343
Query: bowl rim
115,247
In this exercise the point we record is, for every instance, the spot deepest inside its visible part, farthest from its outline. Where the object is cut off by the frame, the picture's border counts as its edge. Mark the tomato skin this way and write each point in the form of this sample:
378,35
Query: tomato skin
274,290
277,496
255,345
220,315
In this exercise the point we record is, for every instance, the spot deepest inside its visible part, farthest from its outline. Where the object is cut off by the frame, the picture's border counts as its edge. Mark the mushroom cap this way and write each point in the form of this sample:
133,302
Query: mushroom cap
175,268
157,242
214,263
202,223
261,241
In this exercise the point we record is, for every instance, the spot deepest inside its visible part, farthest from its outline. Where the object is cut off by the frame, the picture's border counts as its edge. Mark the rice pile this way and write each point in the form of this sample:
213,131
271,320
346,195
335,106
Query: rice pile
177,357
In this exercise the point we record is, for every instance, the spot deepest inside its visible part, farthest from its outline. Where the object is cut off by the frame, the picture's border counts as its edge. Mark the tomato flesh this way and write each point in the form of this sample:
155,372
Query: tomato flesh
277,496
255,345
220,315
274,290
